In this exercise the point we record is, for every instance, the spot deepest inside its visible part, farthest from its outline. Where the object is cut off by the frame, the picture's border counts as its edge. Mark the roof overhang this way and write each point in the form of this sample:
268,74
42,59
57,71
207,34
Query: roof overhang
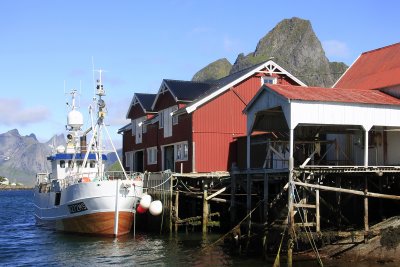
163,88
270,65
269,111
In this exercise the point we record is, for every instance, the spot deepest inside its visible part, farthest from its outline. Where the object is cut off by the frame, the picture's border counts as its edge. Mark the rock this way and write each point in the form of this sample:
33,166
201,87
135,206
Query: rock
213,71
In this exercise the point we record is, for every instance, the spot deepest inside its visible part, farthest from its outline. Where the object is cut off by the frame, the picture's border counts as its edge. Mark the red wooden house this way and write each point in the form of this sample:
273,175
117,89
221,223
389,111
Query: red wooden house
196,122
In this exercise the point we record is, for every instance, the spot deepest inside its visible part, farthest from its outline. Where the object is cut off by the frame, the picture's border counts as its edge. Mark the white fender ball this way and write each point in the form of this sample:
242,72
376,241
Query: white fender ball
145,201
156,208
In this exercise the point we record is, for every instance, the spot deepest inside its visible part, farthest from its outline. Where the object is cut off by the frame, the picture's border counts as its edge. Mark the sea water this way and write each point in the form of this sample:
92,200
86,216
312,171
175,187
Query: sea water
23,243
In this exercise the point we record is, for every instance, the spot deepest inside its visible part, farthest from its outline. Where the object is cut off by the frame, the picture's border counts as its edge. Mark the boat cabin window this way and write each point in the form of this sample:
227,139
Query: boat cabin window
79,163
70,164
62,163
92,164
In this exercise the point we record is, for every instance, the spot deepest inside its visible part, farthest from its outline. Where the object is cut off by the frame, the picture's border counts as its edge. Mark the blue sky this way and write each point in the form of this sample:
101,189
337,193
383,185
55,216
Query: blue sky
139,43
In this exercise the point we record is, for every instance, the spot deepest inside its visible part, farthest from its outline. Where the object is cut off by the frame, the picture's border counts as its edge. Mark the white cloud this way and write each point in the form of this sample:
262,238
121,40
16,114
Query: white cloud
14,113
336,49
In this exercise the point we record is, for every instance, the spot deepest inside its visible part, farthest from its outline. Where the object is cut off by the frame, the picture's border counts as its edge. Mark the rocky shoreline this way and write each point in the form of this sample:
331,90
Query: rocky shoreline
15,187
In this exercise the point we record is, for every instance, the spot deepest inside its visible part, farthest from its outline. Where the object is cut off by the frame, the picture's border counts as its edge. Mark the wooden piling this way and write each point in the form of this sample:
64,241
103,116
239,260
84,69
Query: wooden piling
233,201
205,209
366,224
317,211
176,210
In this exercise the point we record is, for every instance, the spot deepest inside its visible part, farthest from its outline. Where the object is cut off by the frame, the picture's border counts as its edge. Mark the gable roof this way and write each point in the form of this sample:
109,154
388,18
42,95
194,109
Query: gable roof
185,91
320,94
375,69
145,101
227,82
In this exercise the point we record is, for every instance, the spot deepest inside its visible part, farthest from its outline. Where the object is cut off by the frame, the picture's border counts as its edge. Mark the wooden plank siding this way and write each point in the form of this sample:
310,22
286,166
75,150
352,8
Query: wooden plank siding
180,132
136,112
211,130
164,101
218,122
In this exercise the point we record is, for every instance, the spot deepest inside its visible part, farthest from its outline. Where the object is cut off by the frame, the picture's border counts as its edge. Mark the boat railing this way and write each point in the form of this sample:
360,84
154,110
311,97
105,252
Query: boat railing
93,177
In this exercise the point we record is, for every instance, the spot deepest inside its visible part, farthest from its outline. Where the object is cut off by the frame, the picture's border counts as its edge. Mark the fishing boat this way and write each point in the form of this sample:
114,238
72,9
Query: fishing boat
79,195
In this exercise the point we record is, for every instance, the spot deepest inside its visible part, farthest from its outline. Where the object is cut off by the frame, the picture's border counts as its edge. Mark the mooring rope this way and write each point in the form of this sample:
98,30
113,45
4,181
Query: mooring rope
225,235
308,230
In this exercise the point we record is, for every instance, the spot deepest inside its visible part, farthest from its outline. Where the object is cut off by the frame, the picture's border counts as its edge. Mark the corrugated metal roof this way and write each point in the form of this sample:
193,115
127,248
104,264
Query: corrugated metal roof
374,69
341,95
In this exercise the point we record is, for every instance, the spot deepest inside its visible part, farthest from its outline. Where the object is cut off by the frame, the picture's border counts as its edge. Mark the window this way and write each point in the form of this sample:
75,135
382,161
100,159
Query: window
62,164
175,117
133,122
129,160
182,151
269,80
152,155
161,119
139,130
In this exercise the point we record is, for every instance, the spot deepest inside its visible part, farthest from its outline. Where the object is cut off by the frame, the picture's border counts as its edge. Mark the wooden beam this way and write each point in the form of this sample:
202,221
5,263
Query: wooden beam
348,191
307,206
216,193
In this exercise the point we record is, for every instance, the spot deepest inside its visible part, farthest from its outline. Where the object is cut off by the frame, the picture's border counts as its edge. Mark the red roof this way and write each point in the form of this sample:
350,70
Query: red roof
341,95
374,69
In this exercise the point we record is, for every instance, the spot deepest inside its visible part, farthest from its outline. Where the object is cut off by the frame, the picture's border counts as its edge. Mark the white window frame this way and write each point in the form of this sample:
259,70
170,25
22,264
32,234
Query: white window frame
270,79
152,155
161,119
174,118
139,130
129,159
181,151
133,127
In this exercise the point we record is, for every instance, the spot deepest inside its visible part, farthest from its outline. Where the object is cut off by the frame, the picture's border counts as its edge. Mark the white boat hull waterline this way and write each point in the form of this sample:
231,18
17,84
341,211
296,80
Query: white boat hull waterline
79,195
90,207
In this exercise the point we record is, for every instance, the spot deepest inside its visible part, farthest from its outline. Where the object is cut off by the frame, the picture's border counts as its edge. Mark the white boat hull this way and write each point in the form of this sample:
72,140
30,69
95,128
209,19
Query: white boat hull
90,207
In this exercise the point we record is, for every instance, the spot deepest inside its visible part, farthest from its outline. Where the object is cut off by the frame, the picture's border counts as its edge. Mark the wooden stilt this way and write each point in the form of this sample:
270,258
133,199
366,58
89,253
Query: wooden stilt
249,187
176,210
366,224
338,201
205,209
170,203
266,204
233,201
265,215
317,211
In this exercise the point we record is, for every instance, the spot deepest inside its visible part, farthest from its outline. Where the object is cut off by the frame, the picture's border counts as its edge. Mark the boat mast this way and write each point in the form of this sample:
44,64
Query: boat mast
101,112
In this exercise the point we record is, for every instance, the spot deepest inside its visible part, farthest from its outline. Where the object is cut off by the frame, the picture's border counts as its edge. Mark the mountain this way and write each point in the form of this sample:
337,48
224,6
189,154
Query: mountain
21,157
213,71
293,44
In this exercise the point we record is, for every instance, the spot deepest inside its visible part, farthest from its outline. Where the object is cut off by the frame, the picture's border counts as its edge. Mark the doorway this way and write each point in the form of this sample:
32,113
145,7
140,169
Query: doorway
169,162
139,161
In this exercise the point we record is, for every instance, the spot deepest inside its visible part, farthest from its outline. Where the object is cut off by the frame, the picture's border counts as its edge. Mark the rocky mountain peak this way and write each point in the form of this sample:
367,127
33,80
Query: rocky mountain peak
292,44
213,71
13,132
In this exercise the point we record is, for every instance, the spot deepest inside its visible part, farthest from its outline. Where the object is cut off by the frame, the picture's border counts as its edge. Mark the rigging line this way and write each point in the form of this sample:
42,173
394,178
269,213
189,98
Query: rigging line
186,187
161,183
225,235
115,151
240,98
308,230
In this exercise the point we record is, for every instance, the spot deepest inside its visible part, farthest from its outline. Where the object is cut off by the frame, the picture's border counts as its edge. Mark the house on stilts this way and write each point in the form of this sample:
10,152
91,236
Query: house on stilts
326,159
